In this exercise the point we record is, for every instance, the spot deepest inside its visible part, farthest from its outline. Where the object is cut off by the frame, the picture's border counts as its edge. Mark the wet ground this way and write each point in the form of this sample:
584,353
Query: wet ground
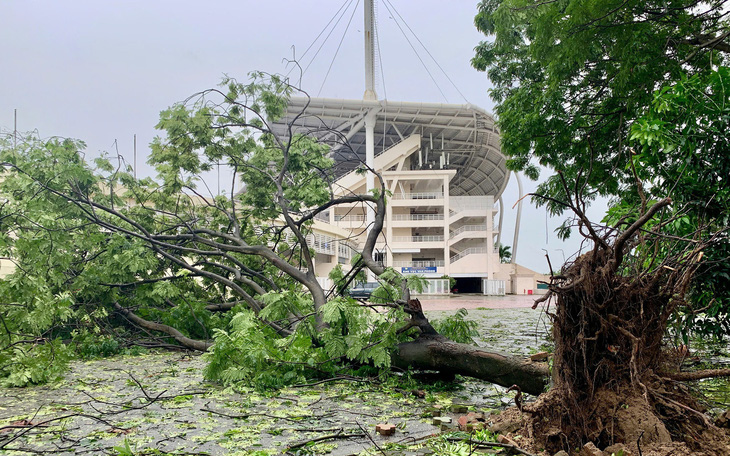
476,301
159,403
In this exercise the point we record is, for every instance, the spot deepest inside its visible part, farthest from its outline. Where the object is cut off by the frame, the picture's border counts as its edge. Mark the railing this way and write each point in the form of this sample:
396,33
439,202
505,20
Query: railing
419,264
464,228
321,243
475,207
411,217
466,203
349,218
469,251
418,195
433,238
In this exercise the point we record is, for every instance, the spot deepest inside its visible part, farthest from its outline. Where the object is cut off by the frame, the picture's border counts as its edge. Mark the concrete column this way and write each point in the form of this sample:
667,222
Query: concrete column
389,233
446,225
517,222
501,218
490,237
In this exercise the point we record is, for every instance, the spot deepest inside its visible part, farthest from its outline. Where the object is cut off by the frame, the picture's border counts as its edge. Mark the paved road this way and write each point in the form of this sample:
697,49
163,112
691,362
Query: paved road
474,301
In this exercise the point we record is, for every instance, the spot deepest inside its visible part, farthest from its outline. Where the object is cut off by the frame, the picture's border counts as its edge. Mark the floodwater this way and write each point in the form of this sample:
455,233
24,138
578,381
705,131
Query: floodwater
476,301
160,402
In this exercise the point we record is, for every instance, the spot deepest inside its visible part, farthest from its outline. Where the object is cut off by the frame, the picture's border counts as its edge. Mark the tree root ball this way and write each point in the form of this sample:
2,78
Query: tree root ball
615,418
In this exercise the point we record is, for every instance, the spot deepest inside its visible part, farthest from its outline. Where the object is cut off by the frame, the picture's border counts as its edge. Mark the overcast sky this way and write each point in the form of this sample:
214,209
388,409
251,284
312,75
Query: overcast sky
102,71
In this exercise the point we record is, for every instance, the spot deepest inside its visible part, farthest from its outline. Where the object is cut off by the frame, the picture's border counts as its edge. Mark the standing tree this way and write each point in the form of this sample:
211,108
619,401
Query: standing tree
575,83
505,253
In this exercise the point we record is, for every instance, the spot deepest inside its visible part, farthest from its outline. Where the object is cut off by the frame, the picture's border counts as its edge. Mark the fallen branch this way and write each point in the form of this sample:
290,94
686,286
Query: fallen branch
478,444
169,330
339,435
295,419
696,375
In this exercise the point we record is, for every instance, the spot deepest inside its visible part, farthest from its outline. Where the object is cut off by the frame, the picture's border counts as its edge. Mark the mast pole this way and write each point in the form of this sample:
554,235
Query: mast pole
370,94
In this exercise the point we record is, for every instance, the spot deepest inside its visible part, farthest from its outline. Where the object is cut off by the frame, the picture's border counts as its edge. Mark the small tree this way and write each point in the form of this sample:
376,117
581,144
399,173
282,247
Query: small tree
504,253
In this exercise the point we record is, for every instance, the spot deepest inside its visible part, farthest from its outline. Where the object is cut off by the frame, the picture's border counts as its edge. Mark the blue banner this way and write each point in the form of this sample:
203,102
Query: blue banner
424,270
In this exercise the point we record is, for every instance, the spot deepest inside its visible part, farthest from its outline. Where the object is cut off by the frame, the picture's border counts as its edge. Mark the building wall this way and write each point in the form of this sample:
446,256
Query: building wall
6,267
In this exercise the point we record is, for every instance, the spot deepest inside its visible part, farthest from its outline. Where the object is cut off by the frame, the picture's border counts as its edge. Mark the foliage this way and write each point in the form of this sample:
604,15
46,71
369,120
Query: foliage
452,281
125,450
343,280
505,253
252,353
682,141
73,232
571,76
457,328
626,99
60,289
96,249
462,443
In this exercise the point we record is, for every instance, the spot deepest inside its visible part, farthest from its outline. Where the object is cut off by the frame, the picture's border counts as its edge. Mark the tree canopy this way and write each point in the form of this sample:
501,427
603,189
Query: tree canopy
571,77
625,99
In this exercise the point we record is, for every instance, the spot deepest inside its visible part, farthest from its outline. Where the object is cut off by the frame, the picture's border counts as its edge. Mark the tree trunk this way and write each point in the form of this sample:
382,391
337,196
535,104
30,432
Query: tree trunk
435,352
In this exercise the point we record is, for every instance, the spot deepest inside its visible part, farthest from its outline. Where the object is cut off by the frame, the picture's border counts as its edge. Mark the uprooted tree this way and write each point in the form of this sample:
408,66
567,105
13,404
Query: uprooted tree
614,378
100,254
626,99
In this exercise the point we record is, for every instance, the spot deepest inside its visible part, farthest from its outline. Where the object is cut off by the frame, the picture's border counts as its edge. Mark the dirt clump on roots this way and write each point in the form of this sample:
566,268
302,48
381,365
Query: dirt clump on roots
619,420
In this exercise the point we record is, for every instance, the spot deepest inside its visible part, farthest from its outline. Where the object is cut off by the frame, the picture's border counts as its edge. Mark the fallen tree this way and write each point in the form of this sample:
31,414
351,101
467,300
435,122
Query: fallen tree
437,353
231,274
614,378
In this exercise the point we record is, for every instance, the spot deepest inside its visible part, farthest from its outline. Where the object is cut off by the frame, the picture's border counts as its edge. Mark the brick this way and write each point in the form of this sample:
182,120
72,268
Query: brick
589,449
505,440
439,420
458,408
385,429
542,356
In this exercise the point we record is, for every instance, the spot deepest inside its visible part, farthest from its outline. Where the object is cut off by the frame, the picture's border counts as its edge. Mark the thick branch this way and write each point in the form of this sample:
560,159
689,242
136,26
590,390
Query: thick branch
618,248
697,375
441,354
169,330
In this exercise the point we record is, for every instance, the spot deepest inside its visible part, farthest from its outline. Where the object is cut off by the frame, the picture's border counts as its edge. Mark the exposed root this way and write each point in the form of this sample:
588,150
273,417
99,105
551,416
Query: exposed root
610,309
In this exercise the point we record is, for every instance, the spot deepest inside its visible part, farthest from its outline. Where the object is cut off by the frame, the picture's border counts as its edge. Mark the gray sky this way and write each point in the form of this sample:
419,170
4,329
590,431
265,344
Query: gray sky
102,71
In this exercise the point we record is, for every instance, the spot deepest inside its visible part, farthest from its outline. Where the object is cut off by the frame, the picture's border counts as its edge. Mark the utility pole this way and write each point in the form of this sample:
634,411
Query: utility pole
15,129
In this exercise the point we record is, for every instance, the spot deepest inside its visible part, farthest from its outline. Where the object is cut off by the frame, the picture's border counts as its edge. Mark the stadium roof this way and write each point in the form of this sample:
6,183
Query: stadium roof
464,135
